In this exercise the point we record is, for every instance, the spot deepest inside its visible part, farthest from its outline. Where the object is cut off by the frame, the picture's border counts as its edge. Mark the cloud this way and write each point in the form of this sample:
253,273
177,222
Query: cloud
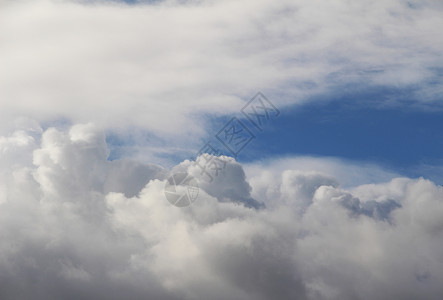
349,173
161,67
74,224
221,177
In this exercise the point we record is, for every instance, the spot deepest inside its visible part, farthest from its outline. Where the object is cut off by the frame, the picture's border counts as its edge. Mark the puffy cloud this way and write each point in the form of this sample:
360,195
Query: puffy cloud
221,177
76,225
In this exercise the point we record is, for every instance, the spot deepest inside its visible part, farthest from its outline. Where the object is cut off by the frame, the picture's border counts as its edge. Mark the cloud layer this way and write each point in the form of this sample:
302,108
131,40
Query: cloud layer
75,225
160,67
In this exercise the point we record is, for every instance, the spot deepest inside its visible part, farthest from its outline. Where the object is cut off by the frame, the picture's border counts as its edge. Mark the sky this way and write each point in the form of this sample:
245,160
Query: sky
309,133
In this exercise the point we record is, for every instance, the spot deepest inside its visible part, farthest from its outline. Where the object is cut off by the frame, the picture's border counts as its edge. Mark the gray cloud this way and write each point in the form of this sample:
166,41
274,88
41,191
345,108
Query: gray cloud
66,232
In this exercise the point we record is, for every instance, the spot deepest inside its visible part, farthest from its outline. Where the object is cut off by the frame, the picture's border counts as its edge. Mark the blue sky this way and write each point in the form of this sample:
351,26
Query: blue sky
403,138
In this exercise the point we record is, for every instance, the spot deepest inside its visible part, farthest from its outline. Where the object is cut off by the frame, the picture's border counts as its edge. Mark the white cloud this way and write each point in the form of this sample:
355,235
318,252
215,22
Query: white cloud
349,173
76,225
65,235
159,67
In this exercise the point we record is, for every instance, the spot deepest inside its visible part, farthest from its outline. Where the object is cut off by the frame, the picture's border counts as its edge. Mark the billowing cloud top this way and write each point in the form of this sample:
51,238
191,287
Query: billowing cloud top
80,222
75,225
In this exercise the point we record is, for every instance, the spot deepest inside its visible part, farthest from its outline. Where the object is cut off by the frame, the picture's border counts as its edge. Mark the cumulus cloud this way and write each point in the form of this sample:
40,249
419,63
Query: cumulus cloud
76,225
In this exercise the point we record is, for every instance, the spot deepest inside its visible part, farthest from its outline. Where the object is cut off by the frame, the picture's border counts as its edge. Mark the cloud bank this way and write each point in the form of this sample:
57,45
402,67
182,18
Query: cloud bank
75,225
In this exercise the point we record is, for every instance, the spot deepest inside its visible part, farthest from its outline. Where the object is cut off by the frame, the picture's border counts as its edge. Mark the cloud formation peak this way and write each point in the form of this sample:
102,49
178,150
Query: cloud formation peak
73,224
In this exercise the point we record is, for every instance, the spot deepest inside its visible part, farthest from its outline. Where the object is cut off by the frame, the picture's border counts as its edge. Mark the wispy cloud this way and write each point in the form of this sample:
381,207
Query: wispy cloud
161,66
